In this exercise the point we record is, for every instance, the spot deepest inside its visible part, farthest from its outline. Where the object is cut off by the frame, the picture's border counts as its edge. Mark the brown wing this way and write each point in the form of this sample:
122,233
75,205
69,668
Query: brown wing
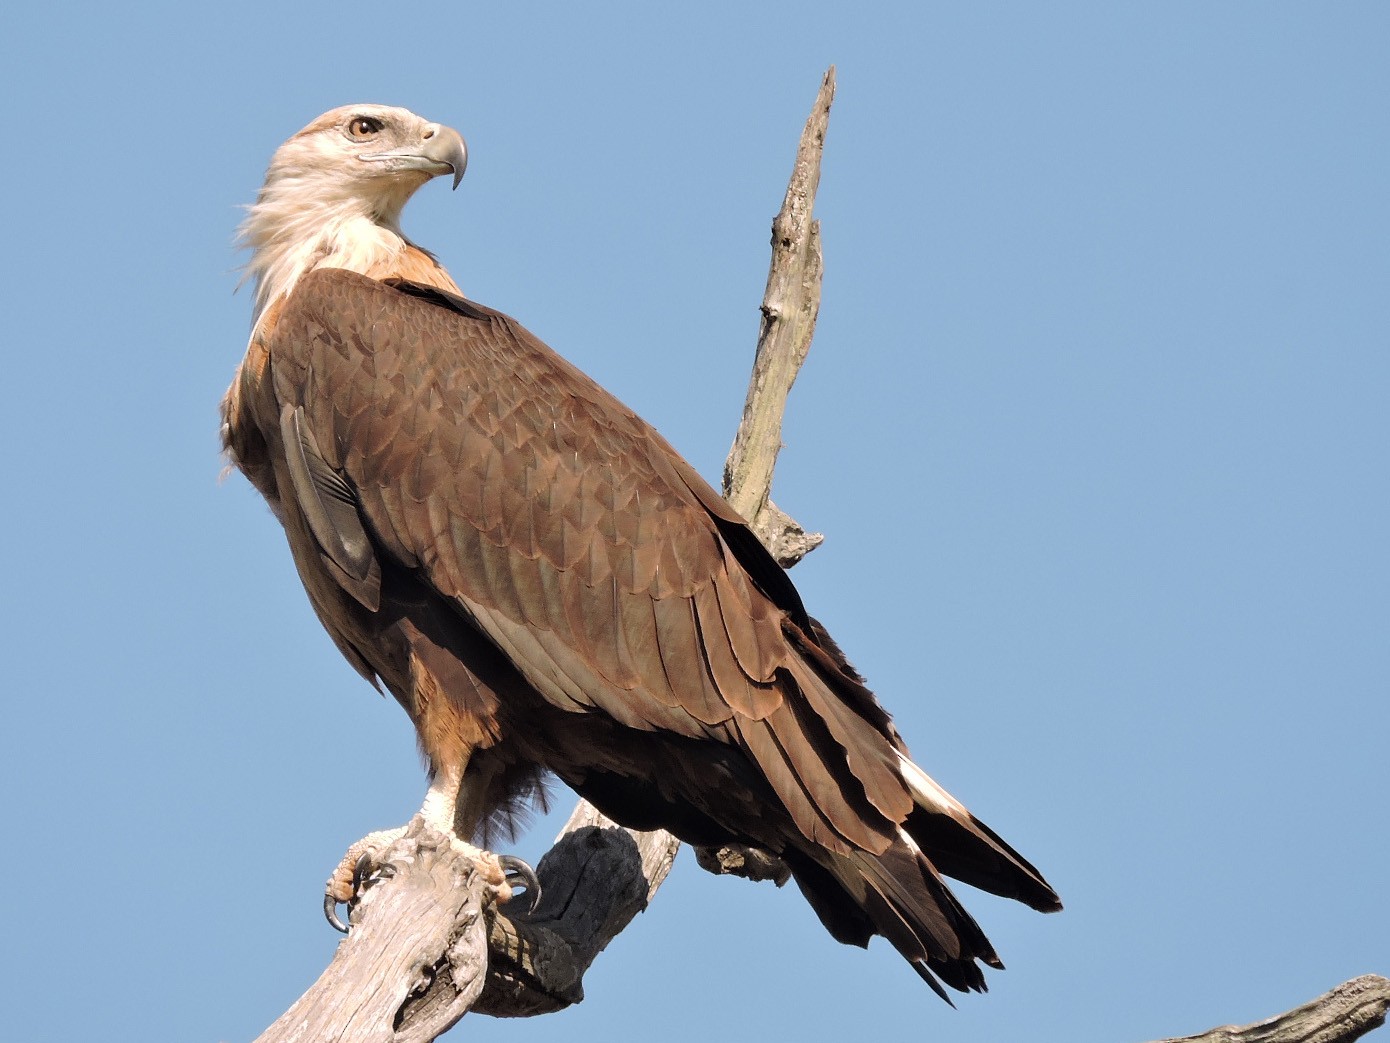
423,432
572,534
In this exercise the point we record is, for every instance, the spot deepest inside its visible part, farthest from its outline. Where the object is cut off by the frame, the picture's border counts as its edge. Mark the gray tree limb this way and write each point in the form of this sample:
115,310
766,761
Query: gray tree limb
790,305
415,958
426,947
1346,1013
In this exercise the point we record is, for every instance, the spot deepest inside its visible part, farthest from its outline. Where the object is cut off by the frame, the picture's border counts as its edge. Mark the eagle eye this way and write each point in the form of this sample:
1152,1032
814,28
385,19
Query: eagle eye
362,128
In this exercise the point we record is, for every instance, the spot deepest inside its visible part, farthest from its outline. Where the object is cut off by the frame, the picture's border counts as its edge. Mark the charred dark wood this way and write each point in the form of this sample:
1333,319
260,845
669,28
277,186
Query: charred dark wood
596,878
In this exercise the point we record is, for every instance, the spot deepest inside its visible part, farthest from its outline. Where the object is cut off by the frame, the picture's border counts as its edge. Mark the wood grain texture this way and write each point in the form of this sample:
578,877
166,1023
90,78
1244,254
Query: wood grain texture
415,960
790,305
596,878
1345,1013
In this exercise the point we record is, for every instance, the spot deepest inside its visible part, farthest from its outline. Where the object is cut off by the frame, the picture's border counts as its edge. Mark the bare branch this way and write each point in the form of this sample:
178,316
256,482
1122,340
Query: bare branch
413,963
791,303
751,863
1346,1013
596,878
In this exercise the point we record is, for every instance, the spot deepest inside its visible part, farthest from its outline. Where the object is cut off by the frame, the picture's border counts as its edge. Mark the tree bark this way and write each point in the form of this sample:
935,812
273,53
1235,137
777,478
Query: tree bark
425,947
1347,1012
790,305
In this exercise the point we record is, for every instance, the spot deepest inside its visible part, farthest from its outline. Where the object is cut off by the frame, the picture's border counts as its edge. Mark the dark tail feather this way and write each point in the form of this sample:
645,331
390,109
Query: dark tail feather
900,896
976,855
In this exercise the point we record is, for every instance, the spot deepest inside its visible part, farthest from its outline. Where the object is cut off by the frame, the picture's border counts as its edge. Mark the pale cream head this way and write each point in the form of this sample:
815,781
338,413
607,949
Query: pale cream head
334,192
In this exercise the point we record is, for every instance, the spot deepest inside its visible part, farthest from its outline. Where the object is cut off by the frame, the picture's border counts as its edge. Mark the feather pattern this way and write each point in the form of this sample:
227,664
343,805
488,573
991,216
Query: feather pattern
601,612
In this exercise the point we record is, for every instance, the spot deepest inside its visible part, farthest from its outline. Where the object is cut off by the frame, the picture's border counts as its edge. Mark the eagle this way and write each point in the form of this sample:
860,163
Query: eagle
547,587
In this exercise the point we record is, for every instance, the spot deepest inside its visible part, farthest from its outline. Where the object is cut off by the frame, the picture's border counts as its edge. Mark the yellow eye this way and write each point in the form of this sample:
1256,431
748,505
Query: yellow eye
360,128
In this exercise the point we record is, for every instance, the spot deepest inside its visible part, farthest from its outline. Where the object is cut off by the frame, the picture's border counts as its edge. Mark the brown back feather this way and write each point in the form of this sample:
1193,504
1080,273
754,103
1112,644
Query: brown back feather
548,516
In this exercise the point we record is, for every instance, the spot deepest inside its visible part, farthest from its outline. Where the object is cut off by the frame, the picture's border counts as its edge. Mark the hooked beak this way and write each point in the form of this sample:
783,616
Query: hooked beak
441,151
445,146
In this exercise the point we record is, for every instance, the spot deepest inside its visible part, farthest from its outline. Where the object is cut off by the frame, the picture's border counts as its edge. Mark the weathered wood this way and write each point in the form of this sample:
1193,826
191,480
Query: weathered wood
1346,1013
790,305
413,963
751,863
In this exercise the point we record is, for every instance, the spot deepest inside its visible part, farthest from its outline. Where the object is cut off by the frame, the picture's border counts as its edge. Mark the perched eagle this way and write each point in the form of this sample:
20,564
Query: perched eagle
545,585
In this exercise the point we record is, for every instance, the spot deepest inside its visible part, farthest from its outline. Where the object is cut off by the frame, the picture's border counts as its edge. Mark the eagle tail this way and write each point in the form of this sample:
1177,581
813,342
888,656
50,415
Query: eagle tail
894,887
898,894
957,844
962,847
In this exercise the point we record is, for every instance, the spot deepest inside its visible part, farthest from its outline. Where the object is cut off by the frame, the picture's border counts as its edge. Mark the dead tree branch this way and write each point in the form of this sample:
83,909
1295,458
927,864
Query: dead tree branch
1346,1013
425,948
414,960
791,303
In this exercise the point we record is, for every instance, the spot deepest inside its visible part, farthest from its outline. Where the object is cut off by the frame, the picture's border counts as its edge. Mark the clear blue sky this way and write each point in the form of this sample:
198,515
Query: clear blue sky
1095,421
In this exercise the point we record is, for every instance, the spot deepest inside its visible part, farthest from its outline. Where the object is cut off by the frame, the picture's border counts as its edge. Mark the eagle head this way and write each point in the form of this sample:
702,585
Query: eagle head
378,152
334,193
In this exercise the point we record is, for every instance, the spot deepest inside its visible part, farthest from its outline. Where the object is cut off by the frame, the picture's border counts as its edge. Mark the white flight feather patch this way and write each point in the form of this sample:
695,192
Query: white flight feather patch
906,839
928,791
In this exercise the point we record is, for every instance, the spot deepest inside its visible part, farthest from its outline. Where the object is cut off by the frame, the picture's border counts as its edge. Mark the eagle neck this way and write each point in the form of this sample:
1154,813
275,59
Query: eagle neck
289,238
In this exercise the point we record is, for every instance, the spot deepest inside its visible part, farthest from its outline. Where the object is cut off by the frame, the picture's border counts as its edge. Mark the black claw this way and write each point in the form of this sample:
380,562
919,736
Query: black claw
330,913
522,875
367,872
364,874
360,872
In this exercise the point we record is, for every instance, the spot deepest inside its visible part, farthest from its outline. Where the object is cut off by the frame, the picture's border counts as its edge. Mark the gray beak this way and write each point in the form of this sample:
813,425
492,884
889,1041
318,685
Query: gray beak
445,145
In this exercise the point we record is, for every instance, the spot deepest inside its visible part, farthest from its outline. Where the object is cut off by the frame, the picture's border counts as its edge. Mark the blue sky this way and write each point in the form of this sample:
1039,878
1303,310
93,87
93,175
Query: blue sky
1095,422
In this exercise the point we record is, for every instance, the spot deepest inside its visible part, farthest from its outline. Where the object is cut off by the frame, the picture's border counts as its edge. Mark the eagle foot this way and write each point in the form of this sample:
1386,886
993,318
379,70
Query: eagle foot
501,874
520,874
358,870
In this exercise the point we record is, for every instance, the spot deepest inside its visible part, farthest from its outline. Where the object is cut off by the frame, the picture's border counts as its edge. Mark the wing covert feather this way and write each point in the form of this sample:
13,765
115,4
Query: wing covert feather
573,536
